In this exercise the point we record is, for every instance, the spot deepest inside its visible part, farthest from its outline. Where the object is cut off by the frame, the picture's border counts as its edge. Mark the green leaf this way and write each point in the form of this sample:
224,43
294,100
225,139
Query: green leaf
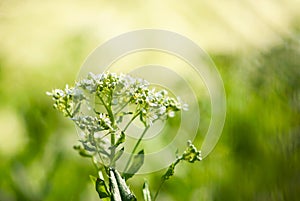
136,164
93,179
121,139
120,119
82,151
101,188
113,186
76,109
118,187
87,146
146,192
118,155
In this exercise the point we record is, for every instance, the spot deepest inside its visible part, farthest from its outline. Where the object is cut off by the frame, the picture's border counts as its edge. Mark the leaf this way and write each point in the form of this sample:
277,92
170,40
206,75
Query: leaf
118,187
120,119
93,179
124,189
101,188
91,147
118,155
121,139
87,146
113,186
82,151
136,164
146,192
76,109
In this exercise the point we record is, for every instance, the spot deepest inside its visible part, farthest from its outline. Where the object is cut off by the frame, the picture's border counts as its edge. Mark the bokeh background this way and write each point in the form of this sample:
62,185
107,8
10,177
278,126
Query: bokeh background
255,45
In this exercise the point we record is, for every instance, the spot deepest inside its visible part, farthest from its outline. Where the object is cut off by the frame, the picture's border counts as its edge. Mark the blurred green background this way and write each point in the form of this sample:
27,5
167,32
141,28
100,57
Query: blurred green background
255,45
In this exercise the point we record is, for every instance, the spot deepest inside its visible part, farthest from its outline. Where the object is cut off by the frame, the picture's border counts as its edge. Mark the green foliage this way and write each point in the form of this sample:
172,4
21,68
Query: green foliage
119,189
146,192
101,188
191,154
82,152
136,164
121,139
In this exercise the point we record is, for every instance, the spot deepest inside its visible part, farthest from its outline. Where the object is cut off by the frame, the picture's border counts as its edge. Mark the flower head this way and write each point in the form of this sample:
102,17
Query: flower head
191,154
110,97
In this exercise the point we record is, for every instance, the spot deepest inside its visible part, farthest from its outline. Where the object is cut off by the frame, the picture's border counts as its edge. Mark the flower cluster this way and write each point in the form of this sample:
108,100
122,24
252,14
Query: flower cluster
155,105
67,101
118,91
191,154
109,97
100,83
90,124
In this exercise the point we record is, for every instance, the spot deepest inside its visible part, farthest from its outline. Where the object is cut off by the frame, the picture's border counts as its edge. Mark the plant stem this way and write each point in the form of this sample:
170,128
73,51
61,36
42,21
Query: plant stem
68,112
112,119
131,120
135,147
97,149
108,109
159,187
163,178
121,108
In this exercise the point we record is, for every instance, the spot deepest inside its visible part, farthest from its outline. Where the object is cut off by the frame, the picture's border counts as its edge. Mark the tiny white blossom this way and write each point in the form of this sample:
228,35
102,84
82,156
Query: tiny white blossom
171,114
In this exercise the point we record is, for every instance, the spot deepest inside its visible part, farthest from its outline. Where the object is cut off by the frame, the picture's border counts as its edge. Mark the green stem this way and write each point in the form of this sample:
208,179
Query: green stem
131,120
97,149
119,110
113,149
67,110
163,179
112,119
160,185
95,165
135,147
108,109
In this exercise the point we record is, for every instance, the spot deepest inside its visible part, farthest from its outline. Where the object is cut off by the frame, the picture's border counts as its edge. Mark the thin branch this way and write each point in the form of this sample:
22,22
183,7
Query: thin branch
122,107
135,147
131,120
